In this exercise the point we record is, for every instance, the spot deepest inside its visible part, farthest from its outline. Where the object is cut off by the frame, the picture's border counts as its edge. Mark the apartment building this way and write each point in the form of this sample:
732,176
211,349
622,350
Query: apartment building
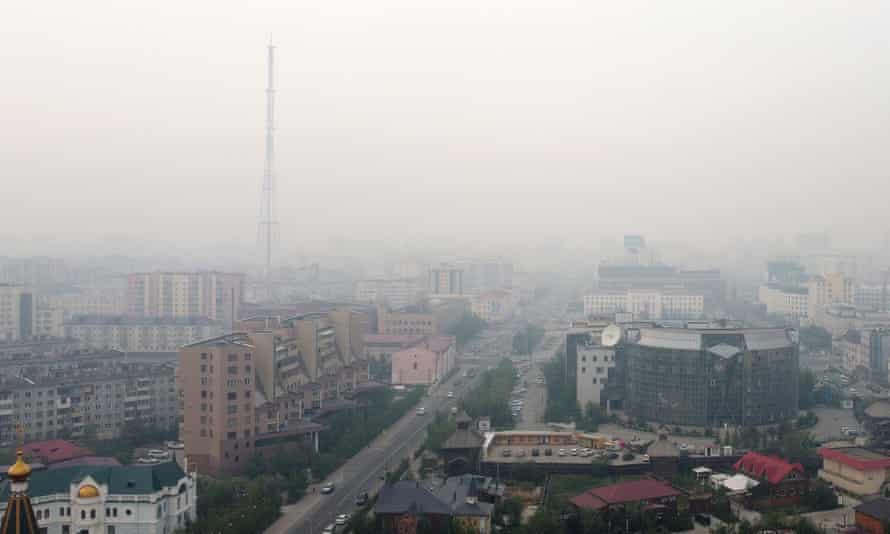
86,301
16,313
81,400
218,383
645,304
828,289
393,293
140,334
791,302
211,294
493,306
49,322
446,280
426,363
406,323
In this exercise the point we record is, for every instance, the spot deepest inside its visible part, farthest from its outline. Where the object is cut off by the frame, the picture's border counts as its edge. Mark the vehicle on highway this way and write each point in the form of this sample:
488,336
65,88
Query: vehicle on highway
450,394
159,454
330,529
506,453
328,488
421,411
361,499
342,519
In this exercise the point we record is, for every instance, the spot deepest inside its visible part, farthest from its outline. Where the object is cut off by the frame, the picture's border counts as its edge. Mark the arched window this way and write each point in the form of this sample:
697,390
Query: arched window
83,514
39,515
92,514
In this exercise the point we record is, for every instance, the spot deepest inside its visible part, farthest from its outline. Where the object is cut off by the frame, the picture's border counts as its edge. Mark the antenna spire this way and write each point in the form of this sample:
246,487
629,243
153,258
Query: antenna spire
267,213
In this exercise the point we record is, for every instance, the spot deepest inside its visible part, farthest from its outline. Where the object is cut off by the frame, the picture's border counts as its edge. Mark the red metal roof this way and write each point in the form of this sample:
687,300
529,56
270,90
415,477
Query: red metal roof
761,466
856,462
55,450
630,491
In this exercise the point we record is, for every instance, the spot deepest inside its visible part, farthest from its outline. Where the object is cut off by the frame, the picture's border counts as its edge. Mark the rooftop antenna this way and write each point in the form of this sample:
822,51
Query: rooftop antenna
267,217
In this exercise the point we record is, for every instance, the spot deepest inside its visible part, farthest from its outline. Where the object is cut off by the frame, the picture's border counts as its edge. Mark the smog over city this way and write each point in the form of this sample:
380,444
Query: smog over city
392,266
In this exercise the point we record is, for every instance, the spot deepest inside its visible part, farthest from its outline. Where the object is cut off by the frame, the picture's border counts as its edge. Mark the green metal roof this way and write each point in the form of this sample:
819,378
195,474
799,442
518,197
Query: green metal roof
121,480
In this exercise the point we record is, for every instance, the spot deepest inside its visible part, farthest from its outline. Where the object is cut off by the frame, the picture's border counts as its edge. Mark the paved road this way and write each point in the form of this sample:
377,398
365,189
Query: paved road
830,422
363,471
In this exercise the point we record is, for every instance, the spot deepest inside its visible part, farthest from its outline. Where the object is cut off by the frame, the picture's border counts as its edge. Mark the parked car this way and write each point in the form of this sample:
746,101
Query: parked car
562,452
536,452
703,519
574,452
612,456
175,445
520,453
328,488
330,529
342,519
159,454
506,453
450,394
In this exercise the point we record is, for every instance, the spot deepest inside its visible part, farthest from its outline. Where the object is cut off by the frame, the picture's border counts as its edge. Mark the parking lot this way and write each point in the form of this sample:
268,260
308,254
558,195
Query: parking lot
496,453
828,428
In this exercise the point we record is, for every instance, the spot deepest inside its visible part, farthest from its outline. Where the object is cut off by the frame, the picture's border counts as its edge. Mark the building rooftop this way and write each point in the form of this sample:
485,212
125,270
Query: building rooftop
624,492
761,466
54,450
857,458
878,509
121,480
461,494
409,496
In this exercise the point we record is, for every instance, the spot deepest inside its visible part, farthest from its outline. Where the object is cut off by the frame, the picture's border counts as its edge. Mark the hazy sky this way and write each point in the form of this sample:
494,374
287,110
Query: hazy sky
681,120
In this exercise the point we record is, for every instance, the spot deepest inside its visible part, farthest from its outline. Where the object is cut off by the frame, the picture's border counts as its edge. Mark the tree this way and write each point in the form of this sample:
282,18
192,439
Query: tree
806,385
815,338
822,497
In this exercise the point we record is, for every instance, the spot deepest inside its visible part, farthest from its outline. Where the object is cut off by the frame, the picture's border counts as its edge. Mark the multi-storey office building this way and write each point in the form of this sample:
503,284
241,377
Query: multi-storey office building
446,280
654,305
211,294
709,377
140,334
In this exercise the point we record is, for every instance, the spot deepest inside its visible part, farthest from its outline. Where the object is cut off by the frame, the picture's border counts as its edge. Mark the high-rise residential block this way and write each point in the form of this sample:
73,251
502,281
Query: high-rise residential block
211,294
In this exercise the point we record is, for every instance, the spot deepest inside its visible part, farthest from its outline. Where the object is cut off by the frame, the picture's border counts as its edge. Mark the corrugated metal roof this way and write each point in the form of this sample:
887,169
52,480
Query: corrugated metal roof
767,339
669,338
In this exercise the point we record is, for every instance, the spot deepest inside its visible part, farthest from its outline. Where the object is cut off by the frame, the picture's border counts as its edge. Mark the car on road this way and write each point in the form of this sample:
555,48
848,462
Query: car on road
361,499
175,445
342,519
645,457
421,411
450,394
612,456
506,453
454,410
574,452
330,529
328,488
562,452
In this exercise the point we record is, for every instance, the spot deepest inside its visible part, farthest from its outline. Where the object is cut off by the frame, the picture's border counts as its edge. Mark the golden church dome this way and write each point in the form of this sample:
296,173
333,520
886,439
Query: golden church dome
88,492
19,471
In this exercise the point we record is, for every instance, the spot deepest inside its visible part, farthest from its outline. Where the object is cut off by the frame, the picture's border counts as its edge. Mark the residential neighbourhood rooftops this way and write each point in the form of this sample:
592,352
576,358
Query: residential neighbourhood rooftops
771,468
857,458
461,493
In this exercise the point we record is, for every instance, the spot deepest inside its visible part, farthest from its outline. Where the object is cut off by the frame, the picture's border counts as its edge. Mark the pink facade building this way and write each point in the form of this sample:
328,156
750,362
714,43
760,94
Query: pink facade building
426,363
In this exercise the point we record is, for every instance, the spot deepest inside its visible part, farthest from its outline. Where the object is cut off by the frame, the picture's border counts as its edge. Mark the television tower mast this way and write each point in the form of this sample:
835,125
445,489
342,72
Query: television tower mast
267,217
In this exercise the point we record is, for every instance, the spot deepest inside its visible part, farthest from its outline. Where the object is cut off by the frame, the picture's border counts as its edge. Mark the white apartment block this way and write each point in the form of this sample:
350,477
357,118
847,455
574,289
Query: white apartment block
593,364
49,322
792,303
88,301
16,312
645,304
140,334
395,294
211,294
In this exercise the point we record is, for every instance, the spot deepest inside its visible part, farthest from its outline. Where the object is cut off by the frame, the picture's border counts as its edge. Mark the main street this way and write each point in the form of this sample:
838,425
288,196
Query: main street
364,471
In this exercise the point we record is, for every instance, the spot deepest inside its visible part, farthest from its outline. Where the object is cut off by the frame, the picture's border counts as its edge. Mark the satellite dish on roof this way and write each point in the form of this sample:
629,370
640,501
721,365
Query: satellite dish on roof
611,335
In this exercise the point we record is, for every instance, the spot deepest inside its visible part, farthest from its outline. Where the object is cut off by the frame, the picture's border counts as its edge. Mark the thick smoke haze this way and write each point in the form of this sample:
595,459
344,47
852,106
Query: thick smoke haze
481,120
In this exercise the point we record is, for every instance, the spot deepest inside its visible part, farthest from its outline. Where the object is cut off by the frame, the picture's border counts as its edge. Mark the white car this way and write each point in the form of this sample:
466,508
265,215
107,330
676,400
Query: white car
148,461
328,488
175,445
160,455
421,411
562,452
342,519
330,529
574,452
450,394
